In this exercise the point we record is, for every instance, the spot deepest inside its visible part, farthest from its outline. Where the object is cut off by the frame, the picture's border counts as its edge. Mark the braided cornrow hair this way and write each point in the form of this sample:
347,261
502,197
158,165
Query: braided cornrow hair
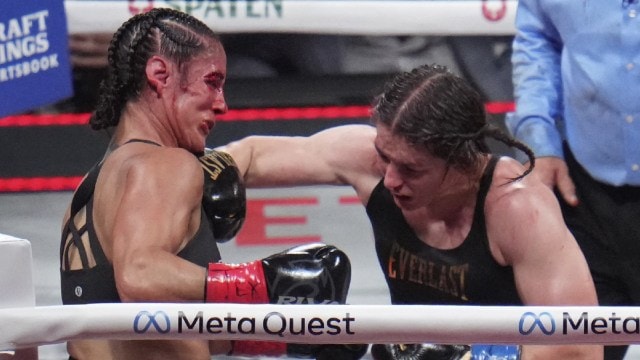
433,108
171,33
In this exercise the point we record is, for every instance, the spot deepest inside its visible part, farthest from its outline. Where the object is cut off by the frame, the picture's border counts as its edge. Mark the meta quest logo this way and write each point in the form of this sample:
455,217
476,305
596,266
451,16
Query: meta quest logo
145,320
273,323
277,324
545,323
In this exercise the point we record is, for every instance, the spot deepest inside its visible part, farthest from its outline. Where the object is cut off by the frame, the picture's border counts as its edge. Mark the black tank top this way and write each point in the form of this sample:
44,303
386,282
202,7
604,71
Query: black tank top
96,284
417,273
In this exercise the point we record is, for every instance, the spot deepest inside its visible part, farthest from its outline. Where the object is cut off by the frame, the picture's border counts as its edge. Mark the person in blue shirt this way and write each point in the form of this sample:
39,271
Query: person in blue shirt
576,76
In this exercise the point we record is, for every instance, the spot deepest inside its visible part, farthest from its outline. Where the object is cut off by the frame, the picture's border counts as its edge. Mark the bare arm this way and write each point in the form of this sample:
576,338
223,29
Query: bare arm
157,214
342,155
527,231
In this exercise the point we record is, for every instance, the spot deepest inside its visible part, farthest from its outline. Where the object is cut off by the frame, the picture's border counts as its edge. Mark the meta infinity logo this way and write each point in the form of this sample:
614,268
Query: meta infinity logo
145,320
530,321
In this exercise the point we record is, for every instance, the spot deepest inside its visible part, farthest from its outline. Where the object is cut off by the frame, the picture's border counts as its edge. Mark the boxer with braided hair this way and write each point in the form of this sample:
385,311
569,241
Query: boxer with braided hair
452,223
143,225
171,33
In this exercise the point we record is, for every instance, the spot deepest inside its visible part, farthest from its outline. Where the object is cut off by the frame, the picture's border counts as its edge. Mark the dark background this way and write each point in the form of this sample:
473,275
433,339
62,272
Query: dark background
265,71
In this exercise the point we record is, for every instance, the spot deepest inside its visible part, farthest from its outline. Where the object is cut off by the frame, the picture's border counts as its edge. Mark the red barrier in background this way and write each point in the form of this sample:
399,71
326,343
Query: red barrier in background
22,184
269,114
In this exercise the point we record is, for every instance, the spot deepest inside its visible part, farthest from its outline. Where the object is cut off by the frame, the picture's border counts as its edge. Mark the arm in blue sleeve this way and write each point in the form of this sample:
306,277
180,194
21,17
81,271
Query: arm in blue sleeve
536,80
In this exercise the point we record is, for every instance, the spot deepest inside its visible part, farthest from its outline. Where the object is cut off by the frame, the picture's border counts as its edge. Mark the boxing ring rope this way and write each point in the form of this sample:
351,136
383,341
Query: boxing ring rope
357,324
359,17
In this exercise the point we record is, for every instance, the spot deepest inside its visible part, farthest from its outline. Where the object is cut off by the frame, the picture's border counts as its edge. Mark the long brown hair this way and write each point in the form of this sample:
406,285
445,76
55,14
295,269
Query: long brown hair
441,112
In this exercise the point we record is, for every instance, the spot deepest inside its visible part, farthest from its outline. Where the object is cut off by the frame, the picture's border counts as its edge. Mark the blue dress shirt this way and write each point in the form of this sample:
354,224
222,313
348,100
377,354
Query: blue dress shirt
576,67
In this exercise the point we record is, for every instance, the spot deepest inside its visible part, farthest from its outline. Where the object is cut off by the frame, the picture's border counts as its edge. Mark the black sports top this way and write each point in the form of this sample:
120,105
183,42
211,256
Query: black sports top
417,273
95,283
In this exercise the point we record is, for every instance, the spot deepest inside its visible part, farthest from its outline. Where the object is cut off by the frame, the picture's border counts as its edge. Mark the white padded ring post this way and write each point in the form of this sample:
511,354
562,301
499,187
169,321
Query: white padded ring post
16,284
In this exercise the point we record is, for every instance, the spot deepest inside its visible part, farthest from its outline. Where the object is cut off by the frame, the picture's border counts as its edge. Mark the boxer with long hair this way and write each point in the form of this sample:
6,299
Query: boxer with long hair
453,223
143,225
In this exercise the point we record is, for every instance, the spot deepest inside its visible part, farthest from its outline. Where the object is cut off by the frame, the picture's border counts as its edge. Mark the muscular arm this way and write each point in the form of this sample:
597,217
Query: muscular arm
342,155
527,231
156,215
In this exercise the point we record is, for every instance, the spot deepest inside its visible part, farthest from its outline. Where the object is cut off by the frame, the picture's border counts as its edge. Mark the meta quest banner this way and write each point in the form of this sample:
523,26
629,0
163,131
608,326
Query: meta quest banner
34,56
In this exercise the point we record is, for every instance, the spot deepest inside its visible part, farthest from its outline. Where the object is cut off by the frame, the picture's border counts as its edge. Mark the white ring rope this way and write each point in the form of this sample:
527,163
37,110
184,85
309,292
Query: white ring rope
27,327
359,17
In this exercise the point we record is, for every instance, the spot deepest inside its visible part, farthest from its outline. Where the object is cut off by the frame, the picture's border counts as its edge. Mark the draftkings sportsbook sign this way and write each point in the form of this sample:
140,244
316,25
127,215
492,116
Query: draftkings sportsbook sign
34,60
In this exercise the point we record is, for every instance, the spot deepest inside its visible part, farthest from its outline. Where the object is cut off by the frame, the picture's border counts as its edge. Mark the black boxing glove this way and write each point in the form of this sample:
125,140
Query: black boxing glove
420,352
224,196
306,274
312,274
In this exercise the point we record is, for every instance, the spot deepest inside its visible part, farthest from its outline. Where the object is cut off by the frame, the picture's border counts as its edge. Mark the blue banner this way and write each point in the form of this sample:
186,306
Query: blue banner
34,55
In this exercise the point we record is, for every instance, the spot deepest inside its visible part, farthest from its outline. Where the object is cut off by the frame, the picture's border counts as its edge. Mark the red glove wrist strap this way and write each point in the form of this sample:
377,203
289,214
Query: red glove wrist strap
236,283
263,348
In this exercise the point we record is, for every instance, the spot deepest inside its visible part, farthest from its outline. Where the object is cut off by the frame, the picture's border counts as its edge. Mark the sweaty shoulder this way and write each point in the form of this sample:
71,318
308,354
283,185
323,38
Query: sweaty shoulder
147,177
146,166
514,209
505,171
174,165
154,159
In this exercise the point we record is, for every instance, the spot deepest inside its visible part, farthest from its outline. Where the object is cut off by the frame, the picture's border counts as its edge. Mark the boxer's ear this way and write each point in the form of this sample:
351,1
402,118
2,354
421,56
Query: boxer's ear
158,71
